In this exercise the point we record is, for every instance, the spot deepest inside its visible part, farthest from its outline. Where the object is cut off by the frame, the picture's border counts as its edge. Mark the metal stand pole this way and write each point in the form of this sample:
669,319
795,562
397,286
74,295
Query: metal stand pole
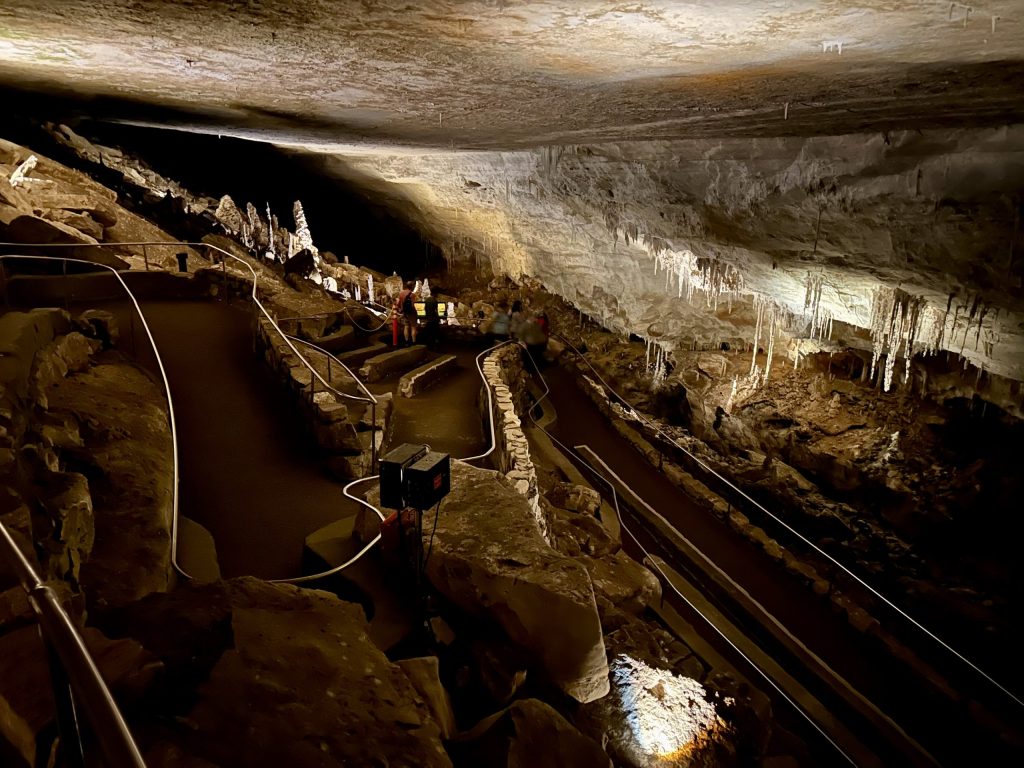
67,718
373,438
64,268
145,257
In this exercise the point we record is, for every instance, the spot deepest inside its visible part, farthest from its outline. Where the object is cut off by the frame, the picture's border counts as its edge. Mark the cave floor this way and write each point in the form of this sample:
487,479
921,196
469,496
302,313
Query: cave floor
249,473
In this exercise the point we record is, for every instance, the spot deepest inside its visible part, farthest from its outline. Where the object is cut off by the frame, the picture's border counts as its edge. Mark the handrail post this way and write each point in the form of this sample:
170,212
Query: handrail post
68,729
373,437
64,269
145,256
3,279
328,369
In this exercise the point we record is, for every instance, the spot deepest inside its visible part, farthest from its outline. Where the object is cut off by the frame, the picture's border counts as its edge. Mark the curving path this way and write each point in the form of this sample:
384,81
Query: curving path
249,473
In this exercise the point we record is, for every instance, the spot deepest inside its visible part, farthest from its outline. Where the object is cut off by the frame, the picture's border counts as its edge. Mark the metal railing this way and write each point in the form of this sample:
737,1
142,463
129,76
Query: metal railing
289,340
77,683
655,427
160,365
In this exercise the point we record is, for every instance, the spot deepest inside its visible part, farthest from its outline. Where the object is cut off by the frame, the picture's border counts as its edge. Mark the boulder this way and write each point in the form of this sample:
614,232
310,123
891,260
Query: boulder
22,335
296,681
64,523
529,734
26,701
656,717
425,675
628,585
575,498
80,221
102,325
342,339
490,559
28,228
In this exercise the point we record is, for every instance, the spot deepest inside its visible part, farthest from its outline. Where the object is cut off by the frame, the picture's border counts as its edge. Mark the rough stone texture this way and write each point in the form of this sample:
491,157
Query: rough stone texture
425,675
26,701
502,374
123,418
424,377
489,559
529,734
389,363
285,676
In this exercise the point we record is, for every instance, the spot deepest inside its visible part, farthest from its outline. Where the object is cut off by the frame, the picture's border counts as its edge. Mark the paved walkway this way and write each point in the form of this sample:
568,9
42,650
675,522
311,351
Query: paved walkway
249,473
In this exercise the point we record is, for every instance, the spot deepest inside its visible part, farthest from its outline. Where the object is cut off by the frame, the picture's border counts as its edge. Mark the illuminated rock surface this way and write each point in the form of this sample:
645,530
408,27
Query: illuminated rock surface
490,559
849,147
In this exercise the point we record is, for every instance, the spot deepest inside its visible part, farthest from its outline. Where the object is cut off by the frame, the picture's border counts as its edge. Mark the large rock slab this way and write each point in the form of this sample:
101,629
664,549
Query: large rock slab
382,366
490,559
123,417
529,734
287,677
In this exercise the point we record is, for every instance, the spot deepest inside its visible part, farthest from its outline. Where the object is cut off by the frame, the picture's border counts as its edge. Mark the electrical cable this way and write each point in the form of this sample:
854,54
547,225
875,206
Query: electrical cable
430,547
654,426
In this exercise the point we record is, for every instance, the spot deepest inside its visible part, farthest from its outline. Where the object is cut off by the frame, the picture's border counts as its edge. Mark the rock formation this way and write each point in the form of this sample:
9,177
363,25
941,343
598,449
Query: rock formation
489,558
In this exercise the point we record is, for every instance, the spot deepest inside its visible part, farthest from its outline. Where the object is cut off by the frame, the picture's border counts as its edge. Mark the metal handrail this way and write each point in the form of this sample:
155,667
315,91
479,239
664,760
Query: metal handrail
710,470
163,376
649,559
63,640
288,340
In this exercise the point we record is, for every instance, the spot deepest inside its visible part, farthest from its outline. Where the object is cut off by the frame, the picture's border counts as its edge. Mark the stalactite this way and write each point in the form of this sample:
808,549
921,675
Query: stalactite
759,306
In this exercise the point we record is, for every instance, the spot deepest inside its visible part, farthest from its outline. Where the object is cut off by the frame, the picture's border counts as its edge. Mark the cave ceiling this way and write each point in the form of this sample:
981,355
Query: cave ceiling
599,145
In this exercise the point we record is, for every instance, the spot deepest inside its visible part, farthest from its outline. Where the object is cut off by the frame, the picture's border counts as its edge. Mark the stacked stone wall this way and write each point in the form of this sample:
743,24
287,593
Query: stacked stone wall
341,430
504,375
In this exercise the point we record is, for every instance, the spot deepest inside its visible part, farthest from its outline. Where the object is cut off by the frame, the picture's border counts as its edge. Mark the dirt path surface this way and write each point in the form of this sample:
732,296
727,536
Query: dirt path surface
249,474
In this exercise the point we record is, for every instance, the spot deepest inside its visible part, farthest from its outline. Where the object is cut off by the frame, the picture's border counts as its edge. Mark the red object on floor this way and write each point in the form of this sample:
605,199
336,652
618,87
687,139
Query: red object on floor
391,532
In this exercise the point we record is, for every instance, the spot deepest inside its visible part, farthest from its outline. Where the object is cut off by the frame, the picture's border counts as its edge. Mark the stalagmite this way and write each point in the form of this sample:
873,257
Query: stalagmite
21,172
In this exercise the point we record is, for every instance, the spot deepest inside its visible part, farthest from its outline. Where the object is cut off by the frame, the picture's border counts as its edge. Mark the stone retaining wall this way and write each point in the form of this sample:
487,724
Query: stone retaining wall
424,377
503,373
340,433
856,615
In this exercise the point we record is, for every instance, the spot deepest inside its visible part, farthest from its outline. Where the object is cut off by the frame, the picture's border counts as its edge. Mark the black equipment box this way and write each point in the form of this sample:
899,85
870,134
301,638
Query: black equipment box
392,469
428,480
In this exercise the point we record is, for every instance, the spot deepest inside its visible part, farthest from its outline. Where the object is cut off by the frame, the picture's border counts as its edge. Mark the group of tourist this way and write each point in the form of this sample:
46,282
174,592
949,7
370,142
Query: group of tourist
406,328
530,329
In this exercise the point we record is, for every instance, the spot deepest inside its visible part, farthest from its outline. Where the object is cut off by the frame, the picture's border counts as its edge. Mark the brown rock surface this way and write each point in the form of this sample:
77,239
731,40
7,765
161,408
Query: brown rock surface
529,734
489,558
123,419
285,676
26,701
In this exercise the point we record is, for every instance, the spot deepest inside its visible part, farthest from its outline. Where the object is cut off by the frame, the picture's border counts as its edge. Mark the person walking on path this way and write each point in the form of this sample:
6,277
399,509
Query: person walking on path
534,335
499,329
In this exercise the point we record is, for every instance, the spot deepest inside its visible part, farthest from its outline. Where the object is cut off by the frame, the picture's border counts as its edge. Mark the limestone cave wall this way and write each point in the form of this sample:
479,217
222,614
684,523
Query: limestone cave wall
681,241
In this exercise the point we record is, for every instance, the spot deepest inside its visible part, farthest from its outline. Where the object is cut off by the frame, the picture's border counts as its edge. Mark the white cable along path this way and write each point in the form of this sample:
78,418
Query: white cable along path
654,426
163,377
174,433
290,341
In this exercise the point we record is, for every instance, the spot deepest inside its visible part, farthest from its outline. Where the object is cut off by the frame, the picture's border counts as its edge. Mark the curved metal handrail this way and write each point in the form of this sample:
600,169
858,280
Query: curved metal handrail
370,398
703,465
62,637
163,376
288,340
664,577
